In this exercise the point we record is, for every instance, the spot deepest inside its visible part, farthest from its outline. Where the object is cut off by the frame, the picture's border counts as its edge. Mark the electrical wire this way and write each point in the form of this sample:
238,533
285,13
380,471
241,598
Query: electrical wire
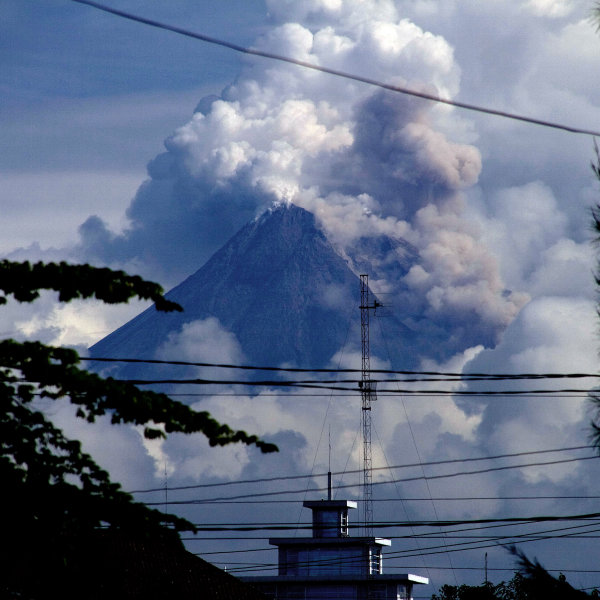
444,550
327,409
437,499
354,471
451,533
391,394
343,385
377,483
414,441
447,374
433,550
337,73
426,534
389,524
327,385
509,539
418,546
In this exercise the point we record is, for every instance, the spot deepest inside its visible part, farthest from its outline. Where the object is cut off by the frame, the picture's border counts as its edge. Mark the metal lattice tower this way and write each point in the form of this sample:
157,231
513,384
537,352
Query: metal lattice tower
368,395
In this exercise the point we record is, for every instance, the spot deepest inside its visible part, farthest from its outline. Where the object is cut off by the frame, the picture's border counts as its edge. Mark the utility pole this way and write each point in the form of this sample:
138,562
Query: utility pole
368,395
486,569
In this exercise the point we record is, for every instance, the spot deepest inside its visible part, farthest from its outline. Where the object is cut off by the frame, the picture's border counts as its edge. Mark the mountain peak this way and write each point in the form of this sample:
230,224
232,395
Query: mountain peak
277,284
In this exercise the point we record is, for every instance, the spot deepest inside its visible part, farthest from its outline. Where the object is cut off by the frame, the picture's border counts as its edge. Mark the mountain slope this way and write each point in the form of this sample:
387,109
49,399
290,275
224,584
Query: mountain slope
279,286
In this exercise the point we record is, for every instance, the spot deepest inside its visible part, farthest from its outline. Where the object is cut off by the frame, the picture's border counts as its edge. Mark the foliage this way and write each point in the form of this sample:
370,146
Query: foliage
596,15
531,582
57,495
24,281
539,584
486,591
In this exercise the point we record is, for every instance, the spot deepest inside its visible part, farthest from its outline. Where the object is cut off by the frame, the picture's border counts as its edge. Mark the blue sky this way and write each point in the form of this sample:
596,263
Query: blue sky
77,85
89,102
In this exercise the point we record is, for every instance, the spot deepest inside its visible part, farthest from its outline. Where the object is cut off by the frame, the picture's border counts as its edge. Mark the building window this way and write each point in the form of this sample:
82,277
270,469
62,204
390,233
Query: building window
374,561
326,524
322,561
344,523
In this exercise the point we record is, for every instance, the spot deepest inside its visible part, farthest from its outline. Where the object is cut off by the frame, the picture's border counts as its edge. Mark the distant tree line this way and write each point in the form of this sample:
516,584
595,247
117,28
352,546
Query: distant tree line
530,582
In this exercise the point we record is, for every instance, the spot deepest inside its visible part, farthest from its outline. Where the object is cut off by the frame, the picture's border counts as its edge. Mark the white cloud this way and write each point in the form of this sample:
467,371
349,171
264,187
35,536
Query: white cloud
528,229
116,448
550,8
78,323
202,341
550,335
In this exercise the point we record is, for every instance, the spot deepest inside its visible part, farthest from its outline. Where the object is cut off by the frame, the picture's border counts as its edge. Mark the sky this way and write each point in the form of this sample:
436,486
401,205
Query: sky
116,139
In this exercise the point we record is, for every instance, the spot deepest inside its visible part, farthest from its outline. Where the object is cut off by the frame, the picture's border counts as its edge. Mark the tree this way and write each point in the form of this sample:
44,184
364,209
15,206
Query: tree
540,585
56,496
486,591
531,582
596,15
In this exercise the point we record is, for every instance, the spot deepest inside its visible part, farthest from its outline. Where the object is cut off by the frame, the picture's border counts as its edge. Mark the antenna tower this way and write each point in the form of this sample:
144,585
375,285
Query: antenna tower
368,395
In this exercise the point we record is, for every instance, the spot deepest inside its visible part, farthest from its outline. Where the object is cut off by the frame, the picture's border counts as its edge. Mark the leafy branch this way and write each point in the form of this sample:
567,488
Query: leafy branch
35,369
58,495
24,281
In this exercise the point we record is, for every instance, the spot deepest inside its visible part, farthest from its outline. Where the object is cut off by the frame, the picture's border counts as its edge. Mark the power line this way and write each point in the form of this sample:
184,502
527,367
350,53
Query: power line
328,385
379,483
451,548
433,568
485,527
350,472
342,385
336,72
452,533
555,569
425,523
412,499
389,394
460,376
423,535
416,450
290,525
507,539
272,566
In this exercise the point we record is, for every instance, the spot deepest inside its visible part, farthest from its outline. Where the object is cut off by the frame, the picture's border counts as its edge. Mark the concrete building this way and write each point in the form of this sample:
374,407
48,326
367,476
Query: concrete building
333,565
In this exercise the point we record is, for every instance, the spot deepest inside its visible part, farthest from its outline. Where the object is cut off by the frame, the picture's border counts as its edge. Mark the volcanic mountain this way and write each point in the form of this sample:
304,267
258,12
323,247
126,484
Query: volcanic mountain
281,288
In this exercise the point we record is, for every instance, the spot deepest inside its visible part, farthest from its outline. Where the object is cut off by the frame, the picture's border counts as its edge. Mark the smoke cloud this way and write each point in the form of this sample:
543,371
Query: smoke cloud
489,260
366,163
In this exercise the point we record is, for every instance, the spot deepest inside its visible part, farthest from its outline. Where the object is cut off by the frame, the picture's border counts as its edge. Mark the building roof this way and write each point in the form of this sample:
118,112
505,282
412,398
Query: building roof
404,578
339,541
329,504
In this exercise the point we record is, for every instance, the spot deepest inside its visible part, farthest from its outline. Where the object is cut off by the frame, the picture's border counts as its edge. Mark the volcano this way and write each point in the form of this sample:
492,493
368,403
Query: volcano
281,288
